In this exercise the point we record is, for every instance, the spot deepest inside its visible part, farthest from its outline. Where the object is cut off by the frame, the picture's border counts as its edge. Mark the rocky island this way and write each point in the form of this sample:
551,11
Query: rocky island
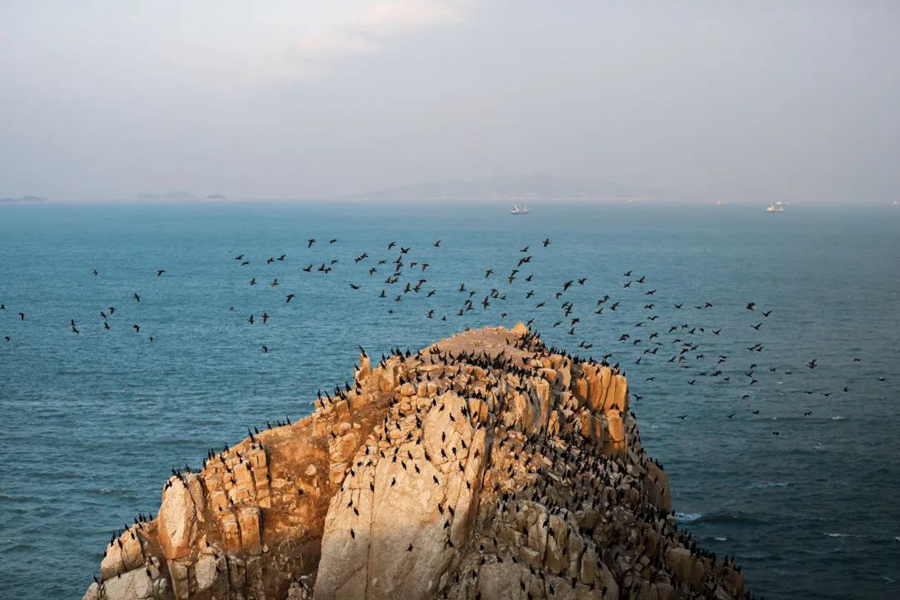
484,466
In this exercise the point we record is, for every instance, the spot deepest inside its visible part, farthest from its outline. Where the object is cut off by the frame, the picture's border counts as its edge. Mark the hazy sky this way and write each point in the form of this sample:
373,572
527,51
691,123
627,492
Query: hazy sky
746,100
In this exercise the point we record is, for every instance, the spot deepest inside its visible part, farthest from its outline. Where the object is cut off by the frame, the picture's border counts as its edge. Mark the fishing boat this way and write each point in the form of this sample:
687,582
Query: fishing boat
776,208
519,211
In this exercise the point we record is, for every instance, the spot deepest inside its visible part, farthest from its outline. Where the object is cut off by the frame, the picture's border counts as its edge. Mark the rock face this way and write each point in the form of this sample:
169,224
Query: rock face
484,466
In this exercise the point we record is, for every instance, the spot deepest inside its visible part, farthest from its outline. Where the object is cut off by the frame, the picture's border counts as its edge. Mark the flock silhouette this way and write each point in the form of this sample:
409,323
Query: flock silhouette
392,274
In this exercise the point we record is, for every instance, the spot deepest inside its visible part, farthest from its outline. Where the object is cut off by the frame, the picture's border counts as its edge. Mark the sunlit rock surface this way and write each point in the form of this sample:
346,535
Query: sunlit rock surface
484,466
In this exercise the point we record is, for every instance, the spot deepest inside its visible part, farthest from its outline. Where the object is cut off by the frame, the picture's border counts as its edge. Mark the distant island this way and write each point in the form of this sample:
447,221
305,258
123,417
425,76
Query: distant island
25,200
519,188
175,197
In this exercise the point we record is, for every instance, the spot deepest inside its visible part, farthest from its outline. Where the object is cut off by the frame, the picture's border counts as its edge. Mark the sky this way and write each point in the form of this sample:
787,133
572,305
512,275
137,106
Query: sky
742,101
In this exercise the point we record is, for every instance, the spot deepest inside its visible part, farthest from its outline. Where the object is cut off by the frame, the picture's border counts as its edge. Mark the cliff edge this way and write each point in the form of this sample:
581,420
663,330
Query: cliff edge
484,466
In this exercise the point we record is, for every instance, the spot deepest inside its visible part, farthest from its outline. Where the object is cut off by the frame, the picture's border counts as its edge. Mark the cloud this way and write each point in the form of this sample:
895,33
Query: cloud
370,30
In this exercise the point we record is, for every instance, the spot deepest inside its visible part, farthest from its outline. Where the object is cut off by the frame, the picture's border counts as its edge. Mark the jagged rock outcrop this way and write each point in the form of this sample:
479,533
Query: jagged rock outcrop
484,466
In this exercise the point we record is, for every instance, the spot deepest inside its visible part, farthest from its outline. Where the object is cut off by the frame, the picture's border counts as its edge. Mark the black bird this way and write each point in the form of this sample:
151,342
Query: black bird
21,316
546,242
96,273
437,244
332,241
137,328
160,272
310,242
767,313
136,297
289,298
750,305
265,349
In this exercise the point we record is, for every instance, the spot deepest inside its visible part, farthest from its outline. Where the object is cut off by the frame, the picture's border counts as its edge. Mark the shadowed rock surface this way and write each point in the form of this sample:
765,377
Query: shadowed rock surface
484,466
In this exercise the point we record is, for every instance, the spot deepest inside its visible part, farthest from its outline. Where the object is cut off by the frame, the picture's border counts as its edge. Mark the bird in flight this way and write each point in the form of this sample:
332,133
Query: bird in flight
309,244
160,272
546,242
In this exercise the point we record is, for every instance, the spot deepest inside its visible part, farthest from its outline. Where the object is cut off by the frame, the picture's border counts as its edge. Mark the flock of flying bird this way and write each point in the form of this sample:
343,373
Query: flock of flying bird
397,277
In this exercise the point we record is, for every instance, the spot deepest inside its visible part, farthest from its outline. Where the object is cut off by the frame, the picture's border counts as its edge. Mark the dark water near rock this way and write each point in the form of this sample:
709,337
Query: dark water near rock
91,423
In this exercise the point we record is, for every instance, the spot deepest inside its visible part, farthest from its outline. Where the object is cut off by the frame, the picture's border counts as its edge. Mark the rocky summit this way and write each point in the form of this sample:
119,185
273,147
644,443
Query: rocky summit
484,466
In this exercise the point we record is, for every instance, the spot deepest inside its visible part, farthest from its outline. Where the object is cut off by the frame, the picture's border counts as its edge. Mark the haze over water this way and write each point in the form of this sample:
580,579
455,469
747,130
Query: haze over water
93,422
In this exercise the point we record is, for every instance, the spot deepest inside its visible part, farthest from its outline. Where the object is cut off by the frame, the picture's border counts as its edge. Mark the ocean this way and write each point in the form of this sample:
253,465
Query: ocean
93,422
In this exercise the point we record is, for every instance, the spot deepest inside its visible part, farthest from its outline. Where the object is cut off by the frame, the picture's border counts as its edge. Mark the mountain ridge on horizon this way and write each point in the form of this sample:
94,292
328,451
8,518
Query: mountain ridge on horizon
536,186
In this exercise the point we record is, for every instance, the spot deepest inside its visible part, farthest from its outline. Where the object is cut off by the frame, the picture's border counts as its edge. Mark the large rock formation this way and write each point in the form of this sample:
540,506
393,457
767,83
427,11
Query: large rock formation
485,466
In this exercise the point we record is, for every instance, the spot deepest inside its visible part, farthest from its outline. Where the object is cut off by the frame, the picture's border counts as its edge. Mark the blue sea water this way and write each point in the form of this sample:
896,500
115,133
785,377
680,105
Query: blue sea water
92,422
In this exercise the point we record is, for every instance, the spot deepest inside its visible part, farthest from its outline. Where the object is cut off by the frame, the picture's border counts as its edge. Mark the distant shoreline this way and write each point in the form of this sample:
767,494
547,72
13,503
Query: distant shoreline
25,200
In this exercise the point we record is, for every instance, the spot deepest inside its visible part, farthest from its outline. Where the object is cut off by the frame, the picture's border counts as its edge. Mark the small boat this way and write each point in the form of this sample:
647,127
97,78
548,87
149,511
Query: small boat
519,211
776,208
